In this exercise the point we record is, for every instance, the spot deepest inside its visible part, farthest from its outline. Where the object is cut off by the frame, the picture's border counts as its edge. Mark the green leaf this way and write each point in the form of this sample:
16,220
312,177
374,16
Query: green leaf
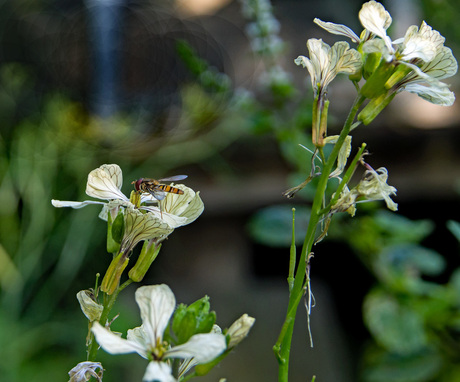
380,366
395,326
454,227
272,226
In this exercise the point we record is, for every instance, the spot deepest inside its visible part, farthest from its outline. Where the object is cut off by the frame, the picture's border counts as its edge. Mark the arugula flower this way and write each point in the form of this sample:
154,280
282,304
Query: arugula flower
157,304
421,56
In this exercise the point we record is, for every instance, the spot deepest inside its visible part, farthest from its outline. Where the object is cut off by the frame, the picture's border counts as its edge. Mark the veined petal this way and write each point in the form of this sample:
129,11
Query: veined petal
444,65
306,63
139,336
142,226
424,43
187,205
202,347
438,95
338,29
156,303
344,59
105,183
114,344
344,153
376,19
66,203
172,220
158,372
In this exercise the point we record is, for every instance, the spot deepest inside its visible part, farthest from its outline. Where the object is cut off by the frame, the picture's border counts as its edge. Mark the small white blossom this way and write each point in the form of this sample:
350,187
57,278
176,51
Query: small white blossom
157,304
373,186
326,62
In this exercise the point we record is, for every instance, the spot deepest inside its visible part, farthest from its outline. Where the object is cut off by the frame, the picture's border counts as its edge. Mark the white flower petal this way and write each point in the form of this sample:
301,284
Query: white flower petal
142,226
66,203
424,43
158,372
105,183
444,65
343,59
438,95
139,336
114,344
376,19
202,347
188,205
338,29
172,220
156,303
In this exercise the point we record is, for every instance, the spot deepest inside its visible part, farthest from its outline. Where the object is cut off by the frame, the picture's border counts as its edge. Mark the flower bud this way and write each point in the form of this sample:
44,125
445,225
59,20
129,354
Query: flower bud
112,276
149,253
239,330
375,84
374,107
90,308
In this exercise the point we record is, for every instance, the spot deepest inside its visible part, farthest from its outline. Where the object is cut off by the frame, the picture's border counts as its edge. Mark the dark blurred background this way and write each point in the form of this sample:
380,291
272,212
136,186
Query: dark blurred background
182,87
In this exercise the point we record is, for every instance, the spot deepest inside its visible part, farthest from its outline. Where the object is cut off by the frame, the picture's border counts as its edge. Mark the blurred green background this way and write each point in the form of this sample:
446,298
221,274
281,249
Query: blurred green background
209,89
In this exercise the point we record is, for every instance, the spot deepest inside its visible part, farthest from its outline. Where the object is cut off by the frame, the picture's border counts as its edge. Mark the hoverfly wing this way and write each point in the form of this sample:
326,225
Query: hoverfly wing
157,194
173,178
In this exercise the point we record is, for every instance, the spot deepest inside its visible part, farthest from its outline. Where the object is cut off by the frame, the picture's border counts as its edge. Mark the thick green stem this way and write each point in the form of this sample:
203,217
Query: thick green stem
283,345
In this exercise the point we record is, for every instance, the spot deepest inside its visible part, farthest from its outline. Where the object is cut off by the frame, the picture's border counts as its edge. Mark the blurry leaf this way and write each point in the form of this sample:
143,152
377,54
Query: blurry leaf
396,327
454,227
412,260
272,226
381,366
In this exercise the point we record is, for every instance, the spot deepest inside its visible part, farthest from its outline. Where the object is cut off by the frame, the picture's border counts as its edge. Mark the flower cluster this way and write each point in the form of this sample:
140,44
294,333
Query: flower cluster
415,63
157,304
132,220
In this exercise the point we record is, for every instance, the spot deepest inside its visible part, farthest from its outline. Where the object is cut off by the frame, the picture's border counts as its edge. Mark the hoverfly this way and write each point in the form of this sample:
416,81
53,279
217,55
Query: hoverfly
156,188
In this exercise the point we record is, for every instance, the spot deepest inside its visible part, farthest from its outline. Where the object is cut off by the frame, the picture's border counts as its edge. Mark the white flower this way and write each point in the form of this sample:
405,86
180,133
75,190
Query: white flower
157,304
85,370
326,62
373,186
421,50
143,222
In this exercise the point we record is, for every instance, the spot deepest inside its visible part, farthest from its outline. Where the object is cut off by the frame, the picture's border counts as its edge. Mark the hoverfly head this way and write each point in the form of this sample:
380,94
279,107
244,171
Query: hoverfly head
137,184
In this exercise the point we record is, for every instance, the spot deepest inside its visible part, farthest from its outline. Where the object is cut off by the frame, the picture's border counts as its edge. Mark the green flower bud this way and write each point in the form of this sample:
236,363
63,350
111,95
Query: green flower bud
397,76
239,330
375,84
371,63
112,276
374,107
194,319
149,253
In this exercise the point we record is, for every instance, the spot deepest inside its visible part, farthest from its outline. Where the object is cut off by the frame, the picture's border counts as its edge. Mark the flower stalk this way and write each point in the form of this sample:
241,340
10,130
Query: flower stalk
283,345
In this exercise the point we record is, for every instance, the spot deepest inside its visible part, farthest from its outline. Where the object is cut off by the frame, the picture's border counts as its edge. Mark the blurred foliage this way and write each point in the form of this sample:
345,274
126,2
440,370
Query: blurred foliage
49,143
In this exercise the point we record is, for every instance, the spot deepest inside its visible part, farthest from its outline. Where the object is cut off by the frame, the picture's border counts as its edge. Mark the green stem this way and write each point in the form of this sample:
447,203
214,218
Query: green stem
283,345
109,301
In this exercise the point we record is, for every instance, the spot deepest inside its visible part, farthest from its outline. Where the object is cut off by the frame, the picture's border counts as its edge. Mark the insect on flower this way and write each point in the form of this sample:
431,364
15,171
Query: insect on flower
156,188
